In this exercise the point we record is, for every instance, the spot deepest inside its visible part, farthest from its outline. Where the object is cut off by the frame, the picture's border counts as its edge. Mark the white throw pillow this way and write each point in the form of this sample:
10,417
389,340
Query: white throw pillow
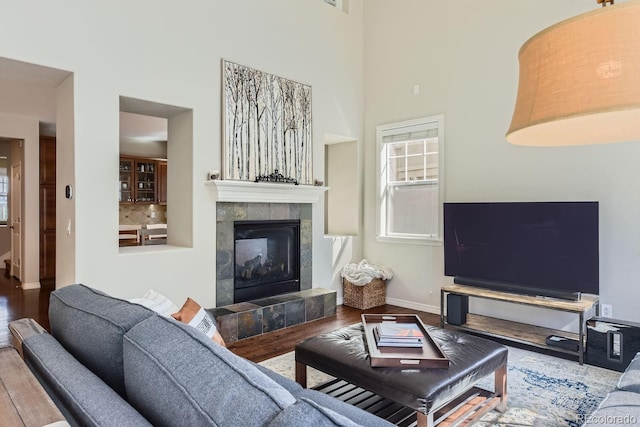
156,302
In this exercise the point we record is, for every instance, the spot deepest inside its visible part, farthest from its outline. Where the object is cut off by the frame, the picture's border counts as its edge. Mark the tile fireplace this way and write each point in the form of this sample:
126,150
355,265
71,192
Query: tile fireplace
253,242
240,203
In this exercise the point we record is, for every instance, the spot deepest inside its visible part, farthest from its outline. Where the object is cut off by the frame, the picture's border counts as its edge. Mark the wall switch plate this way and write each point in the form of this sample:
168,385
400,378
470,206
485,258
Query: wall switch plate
606,310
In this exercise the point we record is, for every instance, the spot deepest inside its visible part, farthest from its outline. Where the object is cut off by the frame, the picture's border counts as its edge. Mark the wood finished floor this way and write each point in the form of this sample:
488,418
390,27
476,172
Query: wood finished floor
283,341
16,303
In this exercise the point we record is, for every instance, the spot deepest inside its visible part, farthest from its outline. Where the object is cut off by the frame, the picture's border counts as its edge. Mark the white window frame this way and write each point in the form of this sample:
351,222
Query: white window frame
382,186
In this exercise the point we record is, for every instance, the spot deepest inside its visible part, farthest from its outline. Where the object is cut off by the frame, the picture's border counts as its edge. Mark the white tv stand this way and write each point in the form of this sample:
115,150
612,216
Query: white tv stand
520,332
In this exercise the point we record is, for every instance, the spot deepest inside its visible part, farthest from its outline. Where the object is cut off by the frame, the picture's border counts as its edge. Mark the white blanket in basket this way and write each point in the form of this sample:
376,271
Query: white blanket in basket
362,273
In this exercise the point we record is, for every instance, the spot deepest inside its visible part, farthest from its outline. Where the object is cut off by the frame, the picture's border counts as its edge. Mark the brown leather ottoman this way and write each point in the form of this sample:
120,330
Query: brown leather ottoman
342,354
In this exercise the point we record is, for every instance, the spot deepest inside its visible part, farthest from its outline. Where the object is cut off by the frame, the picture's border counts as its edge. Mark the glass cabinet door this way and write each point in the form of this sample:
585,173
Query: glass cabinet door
145,182
125,191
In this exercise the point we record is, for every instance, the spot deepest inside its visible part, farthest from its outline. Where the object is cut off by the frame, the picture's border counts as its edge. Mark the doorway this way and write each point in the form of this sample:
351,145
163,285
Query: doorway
36,100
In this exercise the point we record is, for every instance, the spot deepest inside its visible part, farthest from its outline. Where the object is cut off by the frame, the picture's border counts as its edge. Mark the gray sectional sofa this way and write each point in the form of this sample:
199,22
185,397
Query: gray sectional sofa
622,405
108,362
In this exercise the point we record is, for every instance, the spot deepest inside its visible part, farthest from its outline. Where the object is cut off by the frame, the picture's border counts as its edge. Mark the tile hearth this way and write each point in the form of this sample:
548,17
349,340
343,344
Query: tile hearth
252,318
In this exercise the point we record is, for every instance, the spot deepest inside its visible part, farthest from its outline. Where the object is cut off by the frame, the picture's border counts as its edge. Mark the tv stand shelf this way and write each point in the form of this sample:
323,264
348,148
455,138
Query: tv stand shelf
520,332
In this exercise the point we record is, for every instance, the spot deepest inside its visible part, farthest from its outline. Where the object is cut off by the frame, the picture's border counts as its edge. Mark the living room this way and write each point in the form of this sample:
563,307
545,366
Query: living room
466,70
376,63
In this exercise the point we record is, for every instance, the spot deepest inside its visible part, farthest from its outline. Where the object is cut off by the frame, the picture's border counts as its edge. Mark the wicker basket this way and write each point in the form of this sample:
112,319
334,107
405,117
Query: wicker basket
373,294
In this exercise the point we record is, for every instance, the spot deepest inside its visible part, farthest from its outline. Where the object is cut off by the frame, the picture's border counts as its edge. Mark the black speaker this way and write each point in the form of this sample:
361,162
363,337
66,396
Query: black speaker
611,344
457,309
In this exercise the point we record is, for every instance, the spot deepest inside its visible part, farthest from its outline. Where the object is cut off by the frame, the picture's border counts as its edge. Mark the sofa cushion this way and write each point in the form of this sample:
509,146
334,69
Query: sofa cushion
90,325
630,379
292,386
618,408
353,413
174,372
82,397
308,413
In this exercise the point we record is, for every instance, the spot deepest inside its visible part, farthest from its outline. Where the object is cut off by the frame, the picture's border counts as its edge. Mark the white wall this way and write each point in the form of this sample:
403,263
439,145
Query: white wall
155,149
342,201
65,175
166,52
463,54
27,100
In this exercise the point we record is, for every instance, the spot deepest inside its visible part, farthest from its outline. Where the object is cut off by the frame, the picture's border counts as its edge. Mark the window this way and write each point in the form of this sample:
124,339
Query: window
410,179
4,191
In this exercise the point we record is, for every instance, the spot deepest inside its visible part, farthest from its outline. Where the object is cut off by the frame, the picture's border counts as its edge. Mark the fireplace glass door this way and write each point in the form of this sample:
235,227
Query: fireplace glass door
267,258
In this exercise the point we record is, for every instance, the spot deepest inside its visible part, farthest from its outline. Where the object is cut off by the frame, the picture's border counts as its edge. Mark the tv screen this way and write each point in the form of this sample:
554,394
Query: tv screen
536,248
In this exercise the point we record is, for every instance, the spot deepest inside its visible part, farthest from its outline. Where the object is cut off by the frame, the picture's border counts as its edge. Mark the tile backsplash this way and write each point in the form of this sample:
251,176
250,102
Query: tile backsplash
143,214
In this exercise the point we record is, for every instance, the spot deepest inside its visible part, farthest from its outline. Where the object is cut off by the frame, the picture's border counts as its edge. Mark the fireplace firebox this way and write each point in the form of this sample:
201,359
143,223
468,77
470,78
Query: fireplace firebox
266,258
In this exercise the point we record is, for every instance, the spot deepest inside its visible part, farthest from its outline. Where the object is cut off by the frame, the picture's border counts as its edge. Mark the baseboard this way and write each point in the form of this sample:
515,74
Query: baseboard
414,306
32,285
406,304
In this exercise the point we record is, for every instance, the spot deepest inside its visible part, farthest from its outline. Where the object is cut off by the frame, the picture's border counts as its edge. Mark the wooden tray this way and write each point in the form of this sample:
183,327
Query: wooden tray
429,356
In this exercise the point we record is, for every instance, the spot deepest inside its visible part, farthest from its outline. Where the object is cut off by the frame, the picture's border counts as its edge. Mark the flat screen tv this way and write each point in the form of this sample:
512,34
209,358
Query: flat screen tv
547,249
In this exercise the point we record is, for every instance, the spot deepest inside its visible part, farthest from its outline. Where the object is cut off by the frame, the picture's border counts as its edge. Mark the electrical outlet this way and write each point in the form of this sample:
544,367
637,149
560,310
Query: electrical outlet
606,310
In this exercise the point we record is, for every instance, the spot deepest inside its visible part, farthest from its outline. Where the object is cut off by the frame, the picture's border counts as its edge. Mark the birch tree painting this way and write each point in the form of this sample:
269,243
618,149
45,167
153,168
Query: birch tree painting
267,125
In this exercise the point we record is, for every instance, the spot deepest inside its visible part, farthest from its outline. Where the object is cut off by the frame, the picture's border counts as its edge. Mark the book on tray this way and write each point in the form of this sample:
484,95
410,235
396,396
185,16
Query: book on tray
391,334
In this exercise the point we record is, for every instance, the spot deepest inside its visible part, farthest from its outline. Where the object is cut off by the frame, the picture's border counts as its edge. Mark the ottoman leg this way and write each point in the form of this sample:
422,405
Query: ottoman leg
424,420
301,374
501,387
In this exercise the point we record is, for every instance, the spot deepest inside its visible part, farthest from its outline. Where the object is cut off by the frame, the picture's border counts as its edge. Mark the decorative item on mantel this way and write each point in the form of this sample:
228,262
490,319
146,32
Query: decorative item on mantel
276,177
318,183
364,284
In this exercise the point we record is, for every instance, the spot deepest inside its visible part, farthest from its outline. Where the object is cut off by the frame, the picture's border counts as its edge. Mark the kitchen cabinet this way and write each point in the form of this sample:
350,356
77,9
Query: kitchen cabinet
138,180
145,181
127,166
162,182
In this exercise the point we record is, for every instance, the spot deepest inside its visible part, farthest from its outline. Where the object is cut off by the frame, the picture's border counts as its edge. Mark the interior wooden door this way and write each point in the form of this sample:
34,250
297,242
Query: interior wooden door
47,211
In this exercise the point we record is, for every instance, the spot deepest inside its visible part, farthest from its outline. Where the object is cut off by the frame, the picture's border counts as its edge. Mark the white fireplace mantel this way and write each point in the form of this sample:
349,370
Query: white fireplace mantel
264,192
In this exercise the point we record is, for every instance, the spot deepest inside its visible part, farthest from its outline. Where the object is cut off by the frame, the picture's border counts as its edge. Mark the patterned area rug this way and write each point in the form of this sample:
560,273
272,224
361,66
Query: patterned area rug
543,391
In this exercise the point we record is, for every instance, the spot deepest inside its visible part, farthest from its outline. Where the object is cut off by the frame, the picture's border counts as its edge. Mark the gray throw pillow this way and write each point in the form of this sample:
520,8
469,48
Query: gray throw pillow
630,380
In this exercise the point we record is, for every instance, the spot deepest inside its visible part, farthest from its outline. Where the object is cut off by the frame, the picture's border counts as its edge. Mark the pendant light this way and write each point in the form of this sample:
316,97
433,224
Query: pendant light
580,80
